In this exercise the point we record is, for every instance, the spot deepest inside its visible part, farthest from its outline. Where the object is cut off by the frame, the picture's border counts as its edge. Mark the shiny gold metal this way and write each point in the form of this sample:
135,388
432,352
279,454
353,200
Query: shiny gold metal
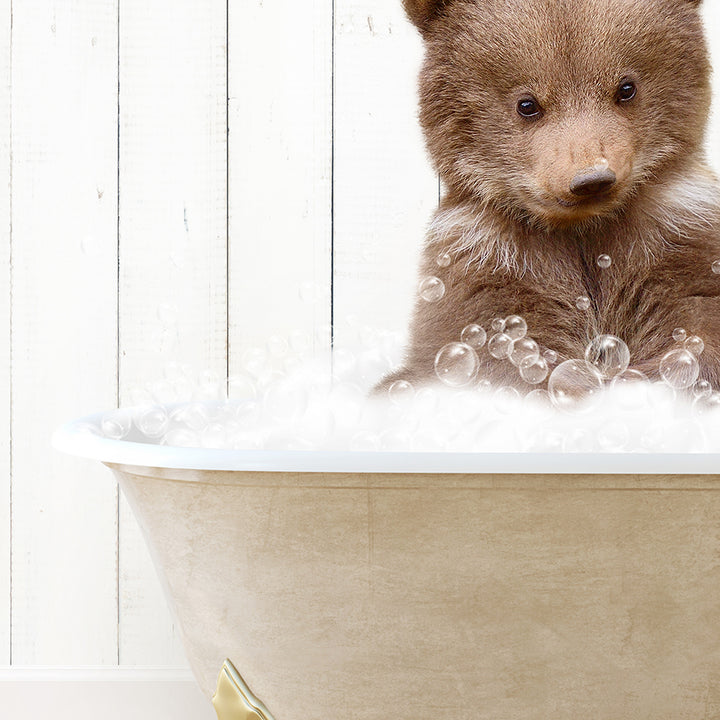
233,699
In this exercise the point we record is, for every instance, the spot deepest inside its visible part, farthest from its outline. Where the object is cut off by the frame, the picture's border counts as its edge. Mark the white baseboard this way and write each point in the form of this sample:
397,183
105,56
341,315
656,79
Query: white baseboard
113,693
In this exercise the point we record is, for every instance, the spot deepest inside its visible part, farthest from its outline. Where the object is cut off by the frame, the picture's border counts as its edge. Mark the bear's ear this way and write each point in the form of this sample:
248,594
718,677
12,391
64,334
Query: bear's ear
421,12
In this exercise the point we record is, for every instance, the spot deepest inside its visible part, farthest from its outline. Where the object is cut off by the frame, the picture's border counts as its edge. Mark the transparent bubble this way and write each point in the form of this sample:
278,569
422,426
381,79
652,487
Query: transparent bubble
515,326
707,404
524,349
582,303
500,346
214,435
401,391
116,424
604,261
679,369
498,325
539,399
285,400
365,441
550,356
695,345
679,334
608,354
702,389
579,440
254,360
444,259
194,415
716,267
534,370
163,392
506,399
153,421
613,437
456,364
633,386
344,362
181,437
474,336
575,386
140,395
432,289
372,364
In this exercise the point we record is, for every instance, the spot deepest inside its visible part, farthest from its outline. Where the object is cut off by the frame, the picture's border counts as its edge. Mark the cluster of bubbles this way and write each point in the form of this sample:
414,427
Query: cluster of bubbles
286,395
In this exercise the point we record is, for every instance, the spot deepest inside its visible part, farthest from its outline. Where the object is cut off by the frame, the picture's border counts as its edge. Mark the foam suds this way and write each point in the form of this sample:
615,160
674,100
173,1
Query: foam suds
281,401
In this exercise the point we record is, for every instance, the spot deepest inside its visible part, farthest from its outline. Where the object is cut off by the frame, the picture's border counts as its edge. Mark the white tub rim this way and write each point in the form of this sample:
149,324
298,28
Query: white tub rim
72,438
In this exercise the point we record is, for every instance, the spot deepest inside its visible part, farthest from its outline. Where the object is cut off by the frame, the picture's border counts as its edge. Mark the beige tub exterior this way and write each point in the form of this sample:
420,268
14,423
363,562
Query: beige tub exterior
369,595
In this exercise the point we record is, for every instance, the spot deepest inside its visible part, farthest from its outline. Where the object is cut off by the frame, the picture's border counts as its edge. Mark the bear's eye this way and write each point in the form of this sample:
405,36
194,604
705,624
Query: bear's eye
626,91
528,107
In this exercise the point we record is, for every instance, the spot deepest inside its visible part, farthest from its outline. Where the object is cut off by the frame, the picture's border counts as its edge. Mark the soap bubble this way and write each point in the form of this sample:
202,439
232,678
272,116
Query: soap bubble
401,391
539,399
679,369
365,441
575,385
695,345
474,336
214,435
500,346
285,400
515,326
181,437
498,325
116,424
579,440
679,334
707,404
432,289
444,259
254,360
534,370
613,437
633,386
524,349
550,356
608,354
456,364
506,399
604,261
702,389
153,421
716,267
582,303
195,415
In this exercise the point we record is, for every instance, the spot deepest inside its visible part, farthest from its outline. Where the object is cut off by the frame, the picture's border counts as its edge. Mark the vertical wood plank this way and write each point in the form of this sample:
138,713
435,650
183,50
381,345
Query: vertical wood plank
385,190
711,16
64,294
5,277
280,100
173,227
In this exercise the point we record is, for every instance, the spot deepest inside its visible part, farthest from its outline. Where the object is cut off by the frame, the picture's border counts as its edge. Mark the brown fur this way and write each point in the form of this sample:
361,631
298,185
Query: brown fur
520,241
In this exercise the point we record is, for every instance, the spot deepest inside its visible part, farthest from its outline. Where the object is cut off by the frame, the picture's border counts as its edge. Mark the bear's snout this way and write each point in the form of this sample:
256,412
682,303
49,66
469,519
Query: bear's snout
592,181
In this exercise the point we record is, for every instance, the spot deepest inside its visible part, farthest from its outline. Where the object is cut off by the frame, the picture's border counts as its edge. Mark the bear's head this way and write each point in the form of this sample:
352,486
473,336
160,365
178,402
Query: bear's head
559,111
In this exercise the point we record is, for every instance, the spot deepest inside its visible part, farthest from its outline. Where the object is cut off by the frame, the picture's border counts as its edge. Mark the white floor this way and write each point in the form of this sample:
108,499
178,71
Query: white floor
105,693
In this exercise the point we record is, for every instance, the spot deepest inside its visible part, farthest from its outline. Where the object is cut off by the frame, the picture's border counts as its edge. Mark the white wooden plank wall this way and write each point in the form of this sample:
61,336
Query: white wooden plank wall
173,229
5,332
104,297
64,344
280,114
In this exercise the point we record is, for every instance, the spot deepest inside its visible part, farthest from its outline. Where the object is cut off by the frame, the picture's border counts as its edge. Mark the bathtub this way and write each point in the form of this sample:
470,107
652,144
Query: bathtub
360,586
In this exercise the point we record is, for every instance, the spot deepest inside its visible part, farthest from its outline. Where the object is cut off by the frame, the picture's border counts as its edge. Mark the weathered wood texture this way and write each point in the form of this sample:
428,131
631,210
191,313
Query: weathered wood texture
64,337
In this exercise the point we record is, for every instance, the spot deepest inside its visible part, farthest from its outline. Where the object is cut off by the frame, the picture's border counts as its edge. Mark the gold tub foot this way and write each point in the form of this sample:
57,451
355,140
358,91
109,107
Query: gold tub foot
233,699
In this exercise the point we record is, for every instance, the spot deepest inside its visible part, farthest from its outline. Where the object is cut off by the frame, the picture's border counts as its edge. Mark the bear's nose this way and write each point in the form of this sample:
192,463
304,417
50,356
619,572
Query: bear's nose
592,181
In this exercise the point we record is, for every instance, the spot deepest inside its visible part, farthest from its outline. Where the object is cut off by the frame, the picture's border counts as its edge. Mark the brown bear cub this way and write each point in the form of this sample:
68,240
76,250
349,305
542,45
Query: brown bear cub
566,130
